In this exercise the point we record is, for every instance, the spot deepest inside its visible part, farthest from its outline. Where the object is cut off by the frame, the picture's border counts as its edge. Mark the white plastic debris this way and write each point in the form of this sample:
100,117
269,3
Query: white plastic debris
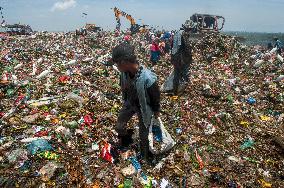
18,66
258,63
164,183
280,58
280,78
43,74
72,62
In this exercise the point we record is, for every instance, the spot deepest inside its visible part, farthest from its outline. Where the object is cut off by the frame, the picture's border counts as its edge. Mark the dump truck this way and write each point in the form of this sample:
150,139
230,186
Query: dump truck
204,23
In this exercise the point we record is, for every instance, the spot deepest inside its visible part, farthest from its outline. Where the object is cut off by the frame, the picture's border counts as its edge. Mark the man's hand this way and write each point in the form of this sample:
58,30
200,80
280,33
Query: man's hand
156,115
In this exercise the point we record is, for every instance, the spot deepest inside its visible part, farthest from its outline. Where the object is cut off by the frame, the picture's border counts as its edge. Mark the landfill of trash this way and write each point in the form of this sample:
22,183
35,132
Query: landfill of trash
59,106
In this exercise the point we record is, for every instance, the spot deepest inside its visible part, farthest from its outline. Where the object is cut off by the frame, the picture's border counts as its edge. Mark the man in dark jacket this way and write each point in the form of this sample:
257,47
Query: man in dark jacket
278,45
181,59
141,96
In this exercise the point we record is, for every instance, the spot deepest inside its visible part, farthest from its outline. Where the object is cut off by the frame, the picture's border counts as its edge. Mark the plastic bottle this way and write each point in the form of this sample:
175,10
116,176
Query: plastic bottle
135,163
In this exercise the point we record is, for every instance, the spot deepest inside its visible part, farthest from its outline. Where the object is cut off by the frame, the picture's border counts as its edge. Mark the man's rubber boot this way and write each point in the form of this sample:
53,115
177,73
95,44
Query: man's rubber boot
146,155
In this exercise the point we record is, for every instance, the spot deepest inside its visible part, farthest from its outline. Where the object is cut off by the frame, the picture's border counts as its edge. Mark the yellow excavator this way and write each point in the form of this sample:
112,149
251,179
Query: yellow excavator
135,28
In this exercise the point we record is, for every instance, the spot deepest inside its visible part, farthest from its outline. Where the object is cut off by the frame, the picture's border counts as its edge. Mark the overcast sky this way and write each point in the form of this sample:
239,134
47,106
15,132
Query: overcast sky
64,15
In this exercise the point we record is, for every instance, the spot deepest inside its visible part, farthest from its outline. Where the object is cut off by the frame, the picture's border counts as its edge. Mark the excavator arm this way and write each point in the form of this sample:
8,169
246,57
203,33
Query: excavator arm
118,13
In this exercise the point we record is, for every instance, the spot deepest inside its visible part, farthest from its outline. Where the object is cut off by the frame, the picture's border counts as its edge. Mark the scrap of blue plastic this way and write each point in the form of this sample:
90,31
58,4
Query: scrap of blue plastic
135,163
157,133
143,175
251,100
39,145
178,130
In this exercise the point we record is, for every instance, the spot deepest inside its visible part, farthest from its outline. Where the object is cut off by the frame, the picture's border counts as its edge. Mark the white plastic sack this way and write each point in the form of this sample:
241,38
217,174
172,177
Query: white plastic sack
273,50
167,141
280,58
169,83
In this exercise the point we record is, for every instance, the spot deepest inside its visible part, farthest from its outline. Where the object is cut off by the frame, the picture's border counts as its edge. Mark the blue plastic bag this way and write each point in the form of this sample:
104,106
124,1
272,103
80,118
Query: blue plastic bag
39,146
157,133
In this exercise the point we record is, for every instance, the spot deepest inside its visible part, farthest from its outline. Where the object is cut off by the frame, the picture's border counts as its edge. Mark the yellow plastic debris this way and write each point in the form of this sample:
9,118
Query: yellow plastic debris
265,118
264,184
63,115
244,123
174,97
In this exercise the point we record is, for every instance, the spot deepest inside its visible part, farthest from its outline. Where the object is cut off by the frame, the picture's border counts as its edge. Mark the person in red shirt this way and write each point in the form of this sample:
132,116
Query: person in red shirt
155,52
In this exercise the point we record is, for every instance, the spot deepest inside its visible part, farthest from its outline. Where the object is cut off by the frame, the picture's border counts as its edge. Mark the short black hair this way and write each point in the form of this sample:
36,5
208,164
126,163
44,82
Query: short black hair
124,52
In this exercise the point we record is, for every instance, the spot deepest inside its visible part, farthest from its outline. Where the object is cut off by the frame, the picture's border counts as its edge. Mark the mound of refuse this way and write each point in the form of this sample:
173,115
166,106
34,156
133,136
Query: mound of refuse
59,105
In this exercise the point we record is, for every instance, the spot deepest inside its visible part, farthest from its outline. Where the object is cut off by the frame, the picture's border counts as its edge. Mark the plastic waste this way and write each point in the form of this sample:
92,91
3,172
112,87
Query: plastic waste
167,141
223,75
178,130
210,129
157,133
199,159
72,62
280,58
39,145
248,143
48,155
280,78
88,120
87,171
106,153
47,171
258,63
31,118
128,171
168,85
164,183
264,184
44,74
135,164
251,100
232,184
17,155
128,183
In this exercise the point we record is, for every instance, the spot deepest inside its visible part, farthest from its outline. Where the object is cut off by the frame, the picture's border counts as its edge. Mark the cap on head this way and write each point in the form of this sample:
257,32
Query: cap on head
124,52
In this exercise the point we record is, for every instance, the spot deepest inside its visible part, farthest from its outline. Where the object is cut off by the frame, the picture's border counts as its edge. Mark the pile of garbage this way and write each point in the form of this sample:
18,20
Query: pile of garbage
59,105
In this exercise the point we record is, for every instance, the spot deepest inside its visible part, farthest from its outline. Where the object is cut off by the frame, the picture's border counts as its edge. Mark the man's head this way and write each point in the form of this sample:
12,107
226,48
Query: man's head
156,40
275,38
124,56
